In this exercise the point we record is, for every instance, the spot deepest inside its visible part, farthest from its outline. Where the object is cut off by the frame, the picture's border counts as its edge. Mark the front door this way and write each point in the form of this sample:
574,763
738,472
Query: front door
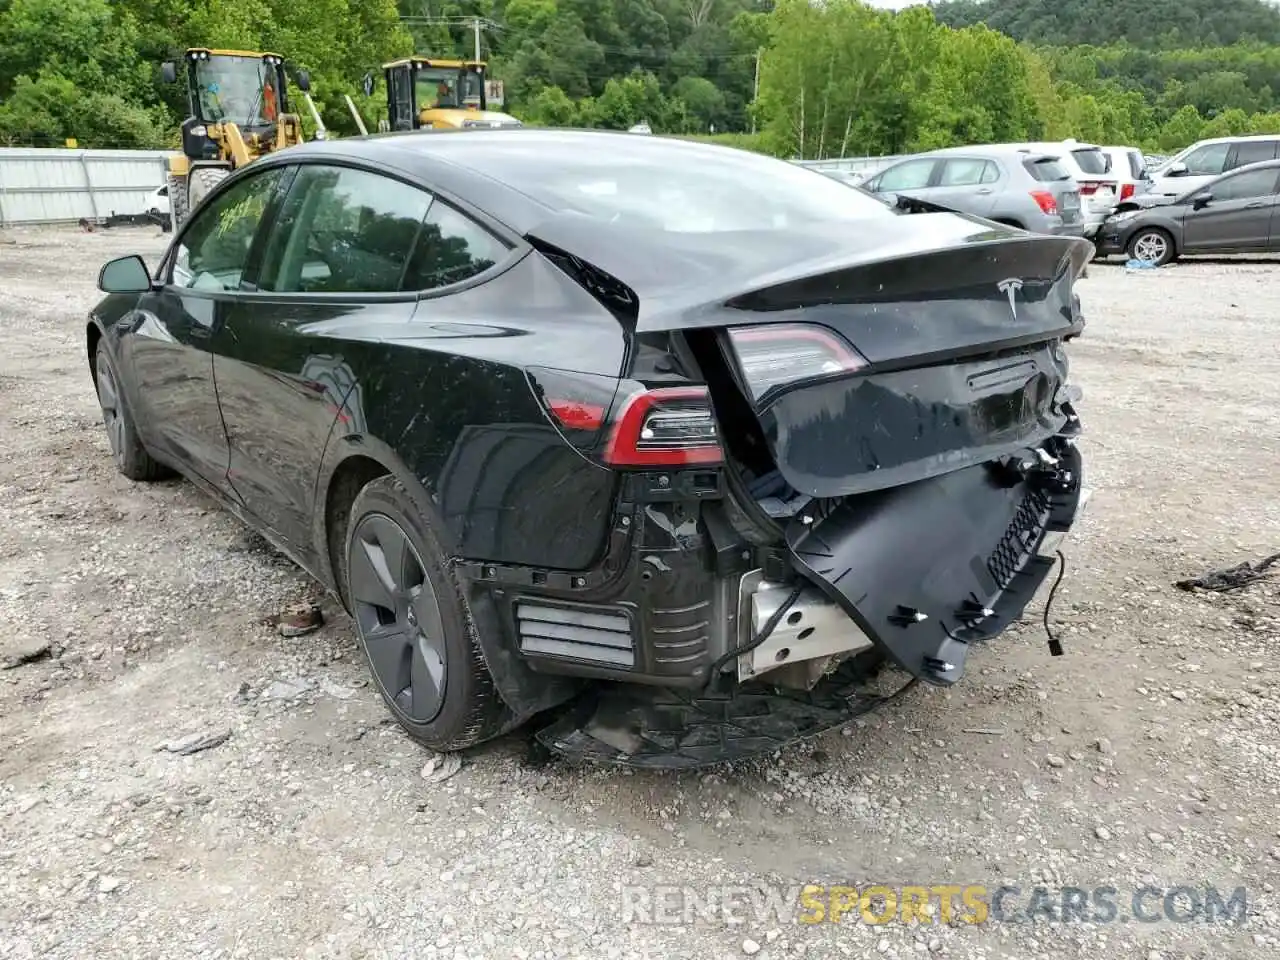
168,349
1237,215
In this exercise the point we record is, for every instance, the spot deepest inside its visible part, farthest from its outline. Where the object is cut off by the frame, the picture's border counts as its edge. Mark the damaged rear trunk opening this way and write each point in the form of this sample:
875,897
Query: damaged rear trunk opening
899,451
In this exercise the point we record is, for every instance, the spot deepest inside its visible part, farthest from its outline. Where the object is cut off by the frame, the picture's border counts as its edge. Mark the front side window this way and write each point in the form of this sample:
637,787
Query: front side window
343,231
214,250
1208,160
912,175
1246,186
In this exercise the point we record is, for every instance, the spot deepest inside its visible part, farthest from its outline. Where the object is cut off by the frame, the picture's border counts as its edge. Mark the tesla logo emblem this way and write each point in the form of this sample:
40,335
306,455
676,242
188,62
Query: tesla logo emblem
1011,287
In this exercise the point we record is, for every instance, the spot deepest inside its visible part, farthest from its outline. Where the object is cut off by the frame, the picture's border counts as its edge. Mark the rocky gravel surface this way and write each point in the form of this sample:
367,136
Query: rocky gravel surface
177,779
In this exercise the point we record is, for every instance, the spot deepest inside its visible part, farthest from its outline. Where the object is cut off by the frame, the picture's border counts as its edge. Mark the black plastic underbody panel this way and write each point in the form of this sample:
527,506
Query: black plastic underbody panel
662,729
916,565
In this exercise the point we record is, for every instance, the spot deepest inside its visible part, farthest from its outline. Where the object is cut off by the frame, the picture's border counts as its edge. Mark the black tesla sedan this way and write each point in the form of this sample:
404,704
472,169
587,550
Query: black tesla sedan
678,440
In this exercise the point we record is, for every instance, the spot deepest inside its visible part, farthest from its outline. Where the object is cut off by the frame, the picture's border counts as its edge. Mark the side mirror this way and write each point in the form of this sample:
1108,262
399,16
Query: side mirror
1178,169
304,81
1201,200
124,275
169,72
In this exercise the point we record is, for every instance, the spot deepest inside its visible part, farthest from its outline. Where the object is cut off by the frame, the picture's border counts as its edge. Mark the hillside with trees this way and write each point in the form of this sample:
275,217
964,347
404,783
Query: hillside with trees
1166,26
791,78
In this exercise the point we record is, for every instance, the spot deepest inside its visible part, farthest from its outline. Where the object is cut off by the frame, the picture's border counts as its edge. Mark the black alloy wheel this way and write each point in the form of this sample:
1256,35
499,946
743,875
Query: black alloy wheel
398,617
131,457
413,620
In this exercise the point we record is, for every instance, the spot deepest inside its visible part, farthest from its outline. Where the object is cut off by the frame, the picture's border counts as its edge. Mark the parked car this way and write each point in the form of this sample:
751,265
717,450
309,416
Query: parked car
1091,169
1232,213
1199,163
158,201
562,430
1021,188
1129,167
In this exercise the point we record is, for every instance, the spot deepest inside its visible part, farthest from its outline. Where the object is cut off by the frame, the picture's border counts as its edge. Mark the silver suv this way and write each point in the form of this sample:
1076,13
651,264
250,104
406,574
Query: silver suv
1020,187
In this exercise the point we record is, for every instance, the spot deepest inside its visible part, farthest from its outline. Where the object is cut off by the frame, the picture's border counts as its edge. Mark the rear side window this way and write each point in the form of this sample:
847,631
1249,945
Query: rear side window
964,172
1254,151
1137,163
1091,160
451,248
343,231
1047,169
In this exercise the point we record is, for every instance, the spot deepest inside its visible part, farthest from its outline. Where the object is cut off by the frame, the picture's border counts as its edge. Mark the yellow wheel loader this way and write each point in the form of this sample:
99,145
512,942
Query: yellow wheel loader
239,110
425,93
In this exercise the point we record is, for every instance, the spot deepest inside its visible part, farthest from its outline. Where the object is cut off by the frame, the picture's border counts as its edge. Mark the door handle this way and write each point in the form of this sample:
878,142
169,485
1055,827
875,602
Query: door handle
984,191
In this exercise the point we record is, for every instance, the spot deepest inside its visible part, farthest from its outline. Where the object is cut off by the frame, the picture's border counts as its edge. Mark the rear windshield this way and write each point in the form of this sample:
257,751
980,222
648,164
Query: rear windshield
1092,160
1047,169
671,185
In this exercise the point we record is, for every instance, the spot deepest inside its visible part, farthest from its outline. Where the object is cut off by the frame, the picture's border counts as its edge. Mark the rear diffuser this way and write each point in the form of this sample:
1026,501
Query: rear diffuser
660,729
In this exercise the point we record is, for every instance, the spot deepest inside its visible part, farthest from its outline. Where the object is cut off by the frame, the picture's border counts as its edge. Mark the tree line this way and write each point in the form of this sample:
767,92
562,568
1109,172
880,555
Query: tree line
789,77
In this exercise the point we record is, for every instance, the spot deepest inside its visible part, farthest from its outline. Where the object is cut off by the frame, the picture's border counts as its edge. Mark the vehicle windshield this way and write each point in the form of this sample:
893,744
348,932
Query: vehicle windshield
1092,160
447,88
243,90
672,185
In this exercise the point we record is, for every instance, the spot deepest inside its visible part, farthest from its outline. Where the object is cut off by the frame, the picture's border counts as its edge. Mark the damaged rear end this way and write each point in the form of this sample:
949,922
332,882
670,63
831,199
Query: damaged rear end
895,432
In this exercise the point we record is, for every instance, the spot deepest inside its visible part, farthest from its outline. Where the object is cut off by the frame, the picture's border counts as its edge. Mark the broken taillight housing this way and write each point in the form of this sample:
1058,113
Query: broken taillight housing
785,353
626,424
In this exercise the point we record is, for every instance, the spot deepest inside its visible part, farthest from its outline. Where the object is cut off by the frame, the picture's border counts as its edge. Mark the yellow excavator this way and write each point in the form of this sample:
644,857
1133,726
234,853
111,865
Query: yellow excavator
239,110
427,93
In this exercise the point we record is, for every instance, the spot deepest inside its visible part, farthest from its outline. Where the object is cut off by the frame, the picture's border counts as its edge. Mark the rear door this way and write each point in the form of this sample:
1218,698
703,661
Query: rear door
965,183
336,254
1238,217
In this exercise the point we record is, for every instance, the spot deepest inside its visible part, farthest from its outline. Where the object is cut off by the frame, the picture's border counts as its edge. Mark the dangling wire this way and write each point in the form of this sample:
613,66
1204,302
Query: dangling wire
767,628
1055,645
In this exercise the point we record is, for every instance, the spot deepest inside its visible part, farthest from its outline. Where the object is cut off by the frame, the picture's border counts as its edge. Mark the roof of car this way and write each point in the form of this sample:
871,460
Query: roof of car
452,159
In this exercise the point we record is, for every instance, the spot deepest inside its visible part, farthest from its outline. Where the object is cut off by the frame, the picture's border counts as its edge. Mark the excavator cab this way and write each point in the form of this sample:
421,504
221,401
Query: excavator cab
238,110
425,93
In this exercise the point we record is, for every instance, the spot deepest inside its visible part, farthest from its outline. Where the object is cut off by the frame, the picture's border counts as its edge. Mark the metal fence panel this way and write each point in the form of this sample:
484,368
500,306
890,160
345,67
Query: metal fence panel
57,185
866,165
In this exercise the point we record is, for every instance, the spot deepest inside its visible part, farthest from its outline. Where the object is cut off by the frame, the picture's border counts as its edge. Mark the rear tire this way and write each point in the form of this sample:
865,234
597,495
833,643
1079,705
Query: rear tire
130,455
1152,245
413,622
202,182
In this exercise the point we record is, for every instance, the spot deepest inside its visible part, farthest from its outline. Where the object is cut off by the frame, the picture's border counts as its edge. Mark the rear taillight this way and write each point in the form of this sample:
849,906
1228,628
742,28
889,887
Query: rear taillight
666,427
779,354
625,424
1126,191
1045,201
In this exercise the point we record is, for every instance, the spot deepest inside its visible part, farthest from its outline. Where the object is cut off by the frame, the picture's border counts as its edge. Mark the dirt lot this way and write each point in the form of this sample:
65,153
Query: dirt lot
1149,755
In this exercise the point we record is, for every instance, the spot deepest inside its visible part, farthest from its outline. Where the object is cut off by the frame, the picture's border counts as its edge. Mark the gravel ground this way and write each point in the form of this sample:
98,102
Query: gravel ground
1149,755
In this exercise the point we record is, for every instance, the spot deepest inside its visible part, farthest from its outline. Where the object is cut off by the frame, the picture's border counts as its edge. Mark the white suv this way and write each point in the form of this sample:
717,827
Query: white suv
1199,163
